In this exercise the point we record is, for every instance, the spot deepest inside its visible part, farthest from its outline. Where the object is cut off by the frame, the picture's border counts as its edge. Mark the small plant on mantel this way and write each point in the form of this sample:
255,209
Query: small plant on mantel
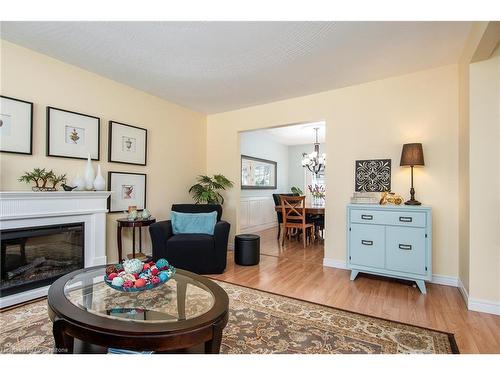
42,177
206,190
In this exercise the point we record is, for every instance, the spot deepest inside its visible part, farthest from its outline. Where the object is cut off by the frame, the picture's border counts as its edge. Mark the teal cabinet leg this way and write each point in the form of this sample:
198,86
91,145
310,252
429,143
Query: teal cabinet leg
421,286
353,274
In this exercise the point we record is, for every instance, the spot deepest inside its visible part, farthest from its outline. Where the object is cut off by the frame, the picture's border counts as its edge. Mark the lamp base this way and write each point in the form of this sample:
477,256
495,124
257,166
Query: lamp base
413,202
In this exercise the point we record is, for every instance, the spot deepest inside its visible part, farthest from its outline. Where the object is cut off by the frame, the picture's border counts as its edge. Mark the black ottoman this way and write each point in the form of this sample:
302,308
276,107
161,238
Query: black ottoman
247,249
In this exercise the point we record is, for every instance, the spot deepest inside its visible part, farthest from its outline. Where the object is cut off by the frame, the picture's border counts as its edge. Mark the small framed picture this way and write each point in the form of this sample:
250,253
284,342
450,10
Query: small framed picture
372,175
129,189
72,135
16,126
127,144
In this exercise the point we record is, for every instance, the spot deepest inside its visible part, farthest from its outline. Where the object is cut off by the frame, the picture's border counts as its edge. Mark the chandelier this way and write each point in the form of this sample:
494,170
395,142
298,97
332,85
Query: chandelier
314,161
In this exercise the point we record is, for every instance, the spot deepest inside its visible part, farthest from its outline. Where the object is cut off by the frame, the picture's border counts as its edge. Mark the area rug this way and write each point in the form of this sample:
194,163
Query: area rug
261,323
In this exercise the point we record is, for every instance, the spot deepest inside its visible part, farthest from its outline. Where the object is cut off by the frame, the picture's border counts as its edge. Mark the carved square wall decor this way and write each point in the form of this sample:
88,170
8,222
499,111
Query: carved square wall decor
373,175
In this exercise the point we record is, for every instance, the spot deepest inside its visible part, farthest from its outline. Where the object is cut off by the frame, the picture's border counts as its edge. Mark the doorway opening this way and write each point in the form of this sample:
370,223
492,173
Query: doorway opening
287,160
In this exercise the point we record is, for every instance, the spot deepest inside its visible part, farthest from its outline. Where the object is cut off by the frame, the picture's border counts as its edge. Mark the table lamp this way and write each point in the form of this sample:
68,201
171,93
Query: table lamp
412,155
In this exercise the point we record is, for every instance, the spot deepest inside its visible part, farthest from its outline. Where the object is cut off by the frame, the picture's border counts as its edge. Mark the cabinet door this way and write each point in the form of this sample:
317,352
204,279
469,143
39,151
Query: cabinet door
367,244
406,250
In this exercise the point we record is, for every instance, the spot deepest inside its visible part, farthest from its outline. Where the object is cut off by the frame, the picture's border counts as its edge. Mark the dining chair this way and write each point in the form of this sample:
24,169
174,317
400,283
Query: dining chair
279,214
293,210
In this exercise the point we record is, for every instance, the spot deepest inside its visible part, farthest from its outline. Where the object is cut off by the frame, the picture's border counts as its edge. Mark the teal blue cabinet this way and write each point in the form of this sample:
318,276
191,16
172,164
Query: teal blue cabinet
394,241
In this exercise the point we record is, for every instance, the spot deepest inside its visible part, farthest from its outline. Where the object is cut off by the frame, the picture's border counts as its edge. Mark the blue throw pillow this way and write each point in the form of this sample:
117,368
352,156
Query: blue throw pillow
184,223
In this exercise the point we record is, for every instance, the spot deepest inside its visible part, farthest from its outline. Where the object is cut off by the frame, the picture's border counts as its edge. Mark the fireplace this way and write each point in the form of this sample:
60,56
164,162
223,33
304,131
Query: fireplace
73,222
36,256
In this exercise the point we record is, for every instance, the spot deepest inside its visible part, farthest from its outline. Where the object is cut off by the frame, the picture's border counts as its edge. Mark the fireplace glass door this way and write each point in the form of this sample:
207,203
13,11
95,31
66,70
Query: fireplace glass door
35,257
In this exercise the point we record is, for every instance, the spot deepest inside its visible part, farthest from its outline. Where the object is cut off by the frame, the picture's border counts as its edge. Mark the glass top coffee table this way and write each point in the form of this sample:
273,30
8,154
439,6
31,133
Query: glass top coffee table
187,313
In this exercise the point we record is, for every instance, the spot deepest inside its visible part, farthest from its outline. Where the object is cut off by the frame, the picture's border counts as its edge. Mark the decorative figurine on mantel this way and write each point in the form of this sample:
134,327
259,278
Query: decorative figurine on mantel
99,183
68,188
89,174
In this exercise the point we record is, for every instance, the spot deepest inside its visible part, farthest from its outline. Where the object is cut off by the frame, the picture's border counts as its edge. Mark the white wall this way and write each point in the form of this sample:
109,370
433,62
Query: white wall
484,197
261,145
371,120
172,130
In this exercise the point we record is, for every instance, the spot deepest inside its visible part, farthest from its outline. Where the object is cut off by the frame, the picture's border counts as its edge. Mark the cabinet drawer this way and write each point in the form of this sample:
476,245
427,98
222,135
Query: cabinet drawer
406,250
369,217
367,243
405,218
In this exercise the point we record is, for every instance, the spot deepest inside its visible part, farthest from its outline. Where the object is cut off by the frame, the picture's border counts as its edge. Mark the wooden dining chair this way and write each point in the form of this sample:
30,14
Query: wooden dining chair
293,210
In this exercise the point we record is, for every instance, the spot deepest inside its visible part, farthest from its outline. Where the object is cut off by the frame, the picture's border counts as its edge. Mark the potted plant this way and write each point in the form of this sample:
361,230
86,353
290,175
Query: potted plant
296,190
207,189
41,177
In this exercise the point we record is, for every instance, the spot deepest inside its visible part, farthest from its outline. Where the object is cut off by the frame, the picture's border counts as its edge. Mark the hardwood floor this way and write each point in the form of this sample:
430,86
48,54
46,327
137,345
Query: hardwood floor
296,272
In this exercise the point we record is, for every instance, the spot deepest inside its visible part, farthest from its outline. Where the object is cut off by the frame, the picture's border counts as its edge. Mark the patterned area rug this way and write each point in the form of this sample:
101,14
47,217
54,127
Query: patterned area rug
261,322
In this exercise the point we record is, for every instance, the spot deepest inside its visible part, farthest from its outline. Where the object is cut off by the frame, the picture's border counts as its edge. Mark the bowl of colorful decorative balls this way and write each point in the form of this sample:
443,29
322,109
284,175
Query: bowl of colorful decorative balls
133,275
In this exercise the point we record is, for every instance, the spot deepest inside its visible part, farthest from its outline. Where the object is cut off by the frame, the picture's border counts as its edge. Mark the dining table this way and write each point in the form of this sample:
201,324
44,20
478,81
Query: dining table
310,209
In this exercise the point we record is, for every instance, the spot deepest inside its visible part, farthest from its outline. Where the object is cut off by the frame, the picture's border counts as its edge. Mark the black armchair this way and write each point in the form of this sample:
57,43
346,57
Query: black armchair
199,253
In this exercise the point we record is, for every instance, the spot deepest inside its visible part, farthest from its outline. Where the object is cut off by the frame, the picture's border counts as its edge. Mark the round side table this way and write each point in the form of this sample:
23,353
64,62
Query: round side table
247,249
125,223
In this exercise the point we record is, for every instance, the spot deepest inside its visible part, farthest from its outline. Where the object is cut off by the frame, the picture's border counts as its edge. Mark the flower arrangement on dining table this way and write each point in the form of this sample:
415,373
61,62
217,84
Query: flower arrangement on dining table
318,192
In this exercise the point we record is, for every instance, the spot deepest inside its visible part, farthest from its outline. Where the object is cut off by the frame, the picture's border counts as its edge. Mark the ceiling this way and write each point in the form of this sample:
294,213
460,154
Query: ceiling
297,134
219,66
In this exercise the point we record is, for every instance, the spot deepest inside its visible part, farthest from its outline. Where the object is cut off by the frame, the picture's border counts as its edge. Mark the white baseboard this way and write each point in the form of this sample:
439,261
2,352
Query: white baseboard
479,305
463,292
445,280
334,263
436,279
258,228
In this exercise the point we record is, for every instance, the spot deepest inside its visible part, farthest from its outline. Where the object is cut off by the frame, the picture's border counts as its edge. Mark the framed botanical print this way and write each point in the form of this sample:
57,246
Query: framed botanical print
16,126
127,144
72,134
128,189
258,173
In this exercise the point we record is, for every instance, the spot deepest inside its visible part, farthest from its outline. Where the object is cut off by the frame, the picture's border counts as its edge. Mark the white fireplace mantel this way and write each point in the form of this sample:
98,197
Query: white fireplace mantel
24,209
26,204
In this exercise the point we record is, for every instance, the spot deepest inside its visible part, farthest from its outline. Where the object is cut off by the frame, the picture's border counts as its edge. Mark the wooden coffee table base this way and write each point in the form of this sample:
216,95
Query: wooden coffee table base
70,339
77,330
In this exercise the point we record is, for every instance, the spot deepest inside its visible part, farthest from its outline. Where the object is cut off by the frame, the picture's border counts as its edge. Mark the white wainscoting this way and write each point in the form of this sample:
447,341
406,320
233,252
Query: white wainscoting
257,213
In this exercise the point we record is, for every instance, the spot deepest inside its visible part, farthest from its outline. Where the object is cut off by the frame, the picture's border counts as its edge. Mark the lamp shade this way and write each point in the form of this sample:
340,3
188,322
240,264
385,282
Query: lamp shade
412,154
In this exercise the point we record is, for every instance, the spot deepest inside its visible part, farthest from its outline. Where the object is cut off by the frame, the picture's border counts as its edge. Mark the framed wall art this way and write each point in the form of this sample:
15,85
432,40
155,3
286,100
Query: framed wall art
373,175
129,189
258,173
127,144
72,134
16,126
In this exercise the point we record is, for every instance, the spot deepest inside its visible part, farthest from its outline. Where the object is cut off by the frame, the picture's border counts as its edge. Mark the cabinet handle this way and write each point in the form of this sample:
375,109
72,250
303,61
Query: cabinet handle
368,243
406,219
404,247
367,217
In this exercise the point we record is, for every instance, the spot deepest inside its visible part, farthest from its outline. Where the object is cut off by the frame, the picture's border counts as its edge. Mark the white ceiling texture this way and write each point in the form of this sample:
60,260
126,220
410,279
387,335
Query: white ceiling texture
219,66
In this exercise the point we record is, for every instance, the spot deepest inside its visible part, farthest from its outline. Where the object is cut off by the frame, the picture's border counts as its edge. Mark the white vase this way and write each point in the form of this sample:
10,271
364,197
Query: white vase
89,175
79,182
99,183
